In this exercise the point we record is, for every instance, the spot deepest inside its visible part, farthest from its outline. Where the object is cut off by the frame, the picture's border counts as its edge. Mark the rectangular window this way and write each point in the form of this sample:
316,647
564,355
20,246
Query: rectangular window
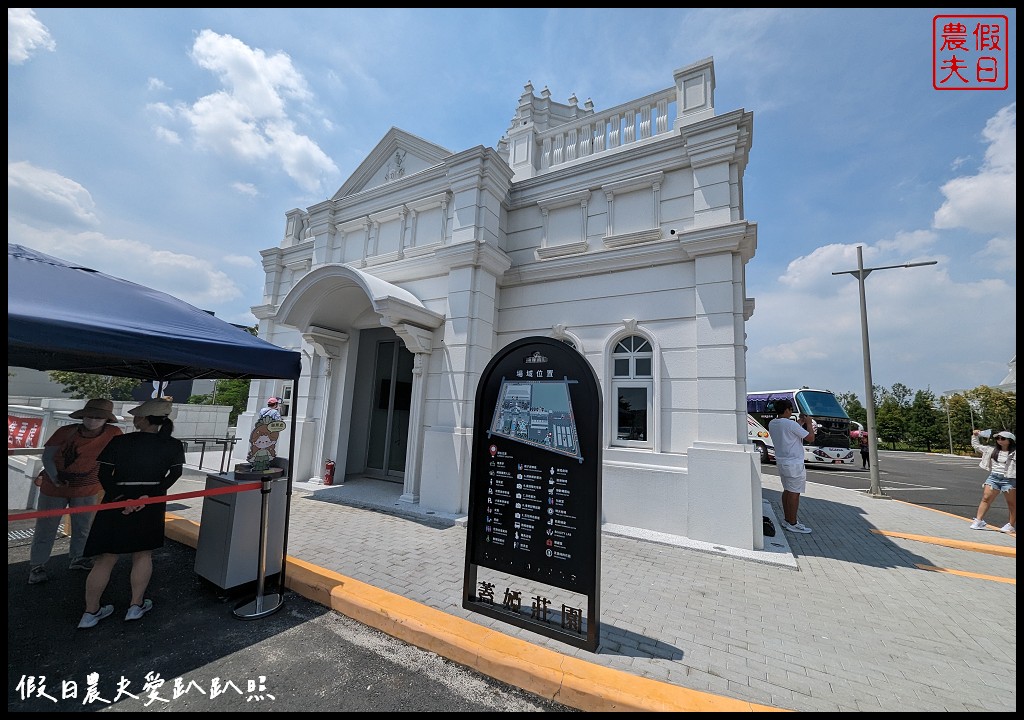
643,367
631,413
286,401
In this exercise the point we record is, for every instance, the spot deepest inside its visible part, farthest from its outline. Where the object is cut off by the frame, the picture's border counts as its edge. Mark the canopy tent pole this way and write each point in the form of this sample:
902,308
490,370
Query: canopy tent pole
288,494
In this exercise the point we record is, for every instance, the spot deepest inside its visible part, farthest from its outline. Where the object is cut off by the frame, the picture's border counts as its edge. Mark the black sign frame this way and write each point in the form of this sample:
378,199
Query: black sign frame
535,485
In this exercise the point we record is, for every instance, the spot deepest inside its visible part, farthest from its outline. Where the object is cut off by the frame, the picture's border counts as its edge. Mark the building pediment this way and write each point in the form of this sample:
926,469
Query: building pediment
398,155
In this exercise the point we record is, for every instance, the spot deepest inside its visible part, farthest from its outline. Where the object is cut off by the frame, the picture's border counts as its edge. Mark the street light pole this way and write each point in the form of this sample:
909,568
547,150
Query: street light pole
861,273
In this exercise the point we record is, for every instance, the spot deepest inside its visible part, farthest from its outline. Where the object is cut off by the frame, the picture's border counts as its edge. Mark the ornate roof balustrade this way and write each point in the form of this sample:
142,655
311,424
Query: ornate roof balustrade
622,125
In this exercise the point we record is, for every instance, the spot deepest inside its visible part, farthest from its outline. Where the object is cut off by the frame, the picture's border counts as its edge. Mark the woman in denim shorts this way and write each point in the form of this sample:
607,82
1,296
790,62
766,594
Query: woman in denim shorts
1001,462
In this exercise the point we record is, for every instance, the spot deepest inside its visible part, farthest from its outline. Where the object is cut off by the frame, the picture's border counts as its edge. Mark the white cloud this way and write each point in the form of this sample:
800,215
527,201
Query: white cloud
1003,252
910,241
986,202
712,32
57,216
46,196
162,109
25,35
167,135
242,261
920,318
251,118
186,277
246,188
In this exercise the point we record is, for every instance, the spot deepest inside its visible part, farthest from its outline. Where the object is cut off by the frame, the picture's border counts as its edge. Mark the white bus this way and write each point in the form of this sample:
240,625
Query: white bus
758,435
831,444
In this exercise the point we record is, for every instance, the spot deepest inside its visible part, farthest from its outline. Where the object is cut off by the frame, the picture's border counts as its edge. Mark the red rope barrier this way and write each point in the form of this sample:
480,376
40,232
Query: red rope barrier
133,503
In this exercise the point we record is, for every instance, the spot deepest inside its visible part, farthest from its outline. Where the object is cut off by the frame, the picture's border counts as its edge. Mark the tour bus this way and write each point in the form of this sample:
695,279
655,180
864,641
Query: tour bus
758,435
831,423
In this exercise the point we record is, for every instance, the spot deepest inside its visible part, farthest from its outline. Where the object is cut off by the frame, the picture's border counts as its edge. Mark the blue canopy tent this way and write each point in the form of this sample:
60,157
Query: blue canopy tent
63,316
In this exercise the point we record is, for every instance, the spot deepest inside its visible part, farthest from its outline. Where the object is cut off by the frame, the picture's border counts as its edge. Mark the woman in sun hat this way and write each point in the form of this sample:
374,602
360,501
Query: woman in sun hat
70,479
138,465
1001,462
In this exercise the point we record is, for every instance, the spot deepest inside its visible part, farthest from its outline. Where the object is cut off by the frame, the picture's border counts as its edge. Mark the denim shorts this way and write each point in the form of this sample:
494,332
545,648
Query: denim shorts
1001,483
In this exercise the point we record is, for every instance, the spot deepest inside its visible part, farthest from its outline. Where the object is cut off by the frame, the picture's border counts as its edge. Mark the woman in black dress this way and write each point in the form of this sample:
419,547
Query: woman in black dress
140,465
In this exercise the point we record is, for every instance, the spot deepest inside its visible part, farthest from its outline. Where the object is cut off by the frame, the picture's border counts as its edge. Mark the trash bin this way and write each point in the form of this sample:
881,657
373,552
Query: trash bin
228,549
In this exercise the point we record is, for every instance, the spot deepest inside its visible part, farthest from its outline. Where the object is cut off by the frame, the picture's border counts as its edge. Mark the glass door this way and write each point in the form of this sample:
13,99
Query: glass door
389,411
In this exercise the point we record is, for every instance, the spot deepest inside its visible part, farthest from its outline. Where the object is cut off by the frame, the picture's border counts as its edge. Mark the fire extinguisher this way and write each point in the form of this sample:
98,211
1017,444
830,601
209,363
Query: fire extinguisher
329,473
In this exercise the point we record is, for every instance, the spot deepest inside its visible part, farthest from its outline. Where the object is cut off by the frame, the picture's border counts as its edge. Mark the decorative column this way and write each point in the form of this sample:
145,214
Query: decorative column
323,347
419,342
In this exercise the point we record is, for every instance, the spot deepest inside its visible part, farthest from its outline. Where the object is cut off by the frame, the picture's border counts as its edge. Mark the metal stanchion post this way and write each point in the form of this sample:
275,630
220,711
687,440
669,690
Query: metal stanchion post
262,605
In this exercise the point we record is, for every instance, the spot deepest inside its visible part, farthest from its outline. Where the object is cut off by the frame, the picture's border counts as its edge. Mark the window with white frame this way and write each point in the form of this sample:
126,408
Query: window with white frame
286,401
633,389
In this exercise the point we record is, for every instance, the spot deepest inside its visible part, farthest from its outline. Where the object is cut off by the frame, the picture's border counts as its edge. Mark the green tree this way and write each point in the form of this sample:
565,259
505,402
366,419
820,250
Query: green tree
852,405
234,393
924,422
959,421
86,385
902,394
889,417
993,408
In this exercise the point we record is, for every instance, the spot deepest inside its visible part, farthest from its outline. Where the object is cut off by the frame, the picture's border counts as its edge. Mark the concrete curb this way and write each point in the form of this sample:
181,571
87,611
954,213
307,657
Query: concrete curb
546,673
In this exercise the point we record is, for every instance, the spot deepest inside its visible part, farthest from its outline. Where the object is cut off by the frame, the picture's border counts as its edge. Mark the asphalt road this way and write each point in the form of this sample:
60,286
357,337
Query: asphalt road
303,658
948,483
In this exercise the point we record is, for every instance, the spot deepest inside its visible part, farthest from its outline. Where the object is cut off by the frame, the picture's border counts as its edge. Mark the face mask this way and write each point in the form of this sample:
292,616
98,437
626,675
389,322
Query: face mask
93,423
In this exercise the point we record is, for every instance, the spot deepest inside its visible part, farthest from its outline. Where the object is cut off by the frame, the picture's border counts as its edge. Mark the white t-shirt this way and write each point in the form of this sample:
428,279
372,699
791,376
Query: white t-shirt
788,438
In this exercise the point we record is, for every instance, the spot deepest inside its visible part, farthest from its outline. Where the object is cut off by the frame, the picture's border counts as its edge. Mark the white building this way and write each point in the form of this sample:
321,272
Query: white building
1009,383
621,232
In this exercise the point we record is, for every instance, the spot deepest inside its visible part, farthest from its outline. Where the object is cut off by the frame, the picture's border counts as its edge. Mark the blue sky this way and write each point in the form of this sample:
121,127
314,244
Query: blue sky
165,146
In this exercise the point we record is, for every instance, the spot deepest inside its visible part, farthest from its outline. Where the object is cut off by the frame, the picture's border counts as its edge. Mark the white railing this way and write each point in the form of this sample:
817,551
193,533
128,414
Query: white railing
617,127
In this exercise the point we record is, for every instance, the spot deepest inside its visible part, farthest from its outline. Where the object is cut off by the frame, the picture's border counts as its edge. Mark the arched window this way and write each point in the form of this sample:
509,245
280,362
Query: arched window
633,388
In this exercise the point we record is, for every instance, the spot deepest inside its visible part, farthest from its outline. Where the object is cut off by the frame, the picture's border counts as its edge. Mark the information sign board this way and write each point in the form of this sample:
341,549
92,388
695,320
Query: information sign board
535,487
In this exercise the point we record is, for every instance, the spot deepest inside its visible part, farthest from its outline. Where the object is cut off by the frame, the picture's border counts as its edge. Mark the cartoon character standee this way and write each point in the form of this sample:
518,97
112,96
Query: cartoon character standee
263,443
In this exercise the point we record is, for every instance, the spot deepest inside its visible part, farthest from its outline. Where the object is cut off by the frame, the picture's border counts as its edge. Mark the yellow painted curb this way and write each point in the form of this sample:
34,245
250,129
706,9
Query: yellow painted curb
1001,550
181,529
562,678
964,573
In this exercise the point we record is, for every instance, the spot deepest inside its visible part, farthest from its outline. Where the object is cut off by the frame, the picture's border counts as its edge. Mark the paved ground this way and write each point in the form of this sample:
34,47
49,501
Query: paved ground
302,658
886,606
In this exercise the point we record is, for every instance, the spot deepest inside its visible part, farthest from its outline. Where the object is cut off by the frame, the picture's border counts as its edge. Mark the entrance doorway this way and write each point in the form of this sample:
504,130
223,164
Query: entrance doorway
389,411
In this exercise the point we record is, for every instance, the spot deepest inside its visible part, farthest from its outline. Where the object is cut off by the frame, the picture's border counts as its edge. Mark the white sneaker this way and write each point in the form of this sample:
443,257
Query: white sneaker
1008,528
978,524
92,619
798,528
137,611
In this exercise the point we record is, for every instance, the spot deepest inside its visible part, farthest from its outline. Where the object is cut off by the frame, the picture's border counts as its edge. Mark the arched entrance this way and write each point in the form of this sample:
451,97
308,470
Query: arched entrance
366,340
